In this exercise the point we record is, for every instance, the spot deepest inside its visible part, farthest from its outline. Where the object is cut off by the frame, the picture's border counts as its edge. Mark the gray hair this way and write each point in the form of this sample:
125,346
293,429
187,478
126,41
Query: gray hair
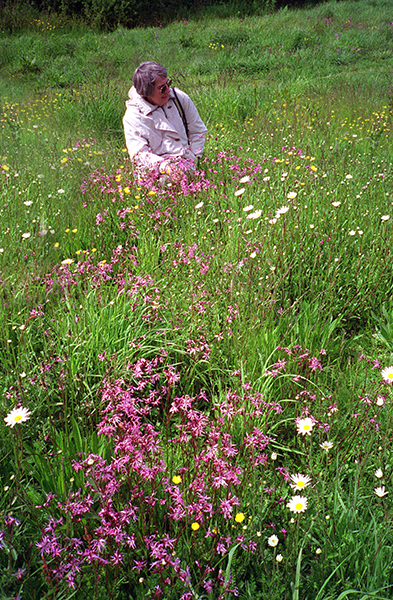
145,77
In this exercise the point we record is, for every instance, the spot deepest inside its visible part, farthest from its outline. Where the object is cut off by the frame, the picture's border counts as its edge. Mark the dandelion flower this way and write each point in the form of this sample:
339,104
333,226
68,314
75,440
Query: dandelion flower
300,481
304,426
17,415
272,541
240,192
279,558
378,473
387,374
176,479
380,491
195,526
326,446
239,518
297,504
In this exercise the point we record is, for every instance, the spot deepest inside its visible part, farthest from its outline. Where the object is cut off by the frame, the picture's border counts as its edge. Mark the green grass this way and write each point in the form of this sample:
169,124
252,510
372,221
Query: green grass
99,273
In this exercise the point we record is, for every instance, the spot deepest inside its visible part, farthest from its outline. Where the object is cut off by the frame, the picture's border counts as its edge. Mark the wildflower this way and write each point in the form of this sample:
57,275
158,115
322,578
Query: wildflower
297,504
291,195
254,215
348,176
352,232
380,401
67,261
5,167
380,491
387,374
56,245
26,236
274,456
337,203
326,446
240,192
304,426
195,526
239,518
300,481
272,541
17,415
245,179
60,191
282,210
318,551
199,205
378,473
28,203
279,558
248,208
176,479
385,217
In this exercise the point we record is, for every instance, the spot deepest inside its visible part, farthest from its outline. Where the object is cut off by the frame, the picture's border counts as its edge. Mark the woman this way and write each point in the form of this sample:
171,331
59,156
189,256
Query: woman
162,127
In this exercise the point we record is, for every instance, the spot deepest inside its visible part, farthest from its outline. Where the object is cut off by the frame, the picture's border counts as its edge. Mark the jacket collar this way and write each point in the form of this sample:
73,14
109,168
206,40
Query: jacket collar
144,106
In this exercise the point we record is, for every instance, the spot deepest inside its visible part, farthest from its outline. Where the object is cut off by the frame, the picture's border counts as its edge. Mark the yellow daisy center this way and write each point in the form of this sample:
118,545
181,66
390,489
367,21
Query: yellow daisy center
300,484
17,418
306,427
390,376
299,506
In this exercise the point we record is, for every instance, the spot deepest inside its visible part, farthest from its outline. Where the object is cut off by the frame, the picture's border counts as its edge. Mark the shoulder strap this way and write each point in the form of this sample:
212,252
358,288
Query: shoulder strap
181,112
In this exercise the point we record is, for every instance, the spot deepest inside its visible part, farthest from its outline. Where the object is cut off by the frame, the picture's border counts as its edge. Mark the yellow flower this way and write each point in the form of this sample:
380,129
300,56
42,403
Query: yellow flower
5,167
239,518
195,526
57,245
176,479
74,230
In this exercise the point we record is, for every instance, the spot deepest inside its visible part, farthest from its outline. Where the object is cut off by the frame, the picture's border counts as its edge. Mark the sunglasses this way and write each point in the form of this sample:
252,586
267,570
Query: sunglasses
164,86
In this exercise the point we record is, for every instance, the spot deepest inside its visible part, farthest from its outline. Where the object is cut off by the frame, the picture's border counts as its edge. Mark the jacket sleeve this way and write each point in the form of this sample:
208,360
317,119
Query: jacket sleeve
137,143
196,128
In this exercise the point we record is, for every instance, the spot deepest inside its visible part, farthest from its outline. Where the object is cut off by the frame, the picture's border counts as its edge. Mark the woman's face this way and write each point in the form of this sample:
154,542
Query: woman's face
160,93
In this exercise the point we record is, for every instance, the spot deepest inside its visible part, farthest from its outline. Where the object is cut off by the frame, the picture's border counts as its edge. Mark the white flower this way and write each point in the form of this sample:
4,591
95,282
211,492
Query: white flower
318,551
244,179
248,208
300,481
240,192
380,491
279,558
199,205
326,446
254,215
274,456
253,254
17,415
26,236
297,504
304,426
291,195
352,232
273,221
336,203
272,541
28,203
282,210
387,374
348,176
385,217
60,191
67,261
378,473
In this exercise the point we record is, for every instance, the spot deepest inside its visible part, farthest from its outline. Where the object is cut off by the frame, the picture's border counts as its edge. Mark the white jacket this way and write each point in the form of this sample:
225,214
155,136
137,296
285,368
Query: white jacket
155,133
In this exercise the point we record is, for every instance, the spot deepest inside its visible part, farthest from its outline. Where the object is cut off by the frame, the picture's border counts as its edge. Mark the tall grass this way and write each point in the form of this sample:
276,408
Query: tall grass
185,352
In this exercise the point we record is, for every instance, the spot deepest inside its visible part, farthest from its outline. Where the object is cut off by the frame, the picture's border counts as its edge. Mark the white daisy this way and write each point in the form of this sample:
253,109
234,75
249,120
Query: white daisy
272,541
380,491
304,426
300,481
387,374
17,415
297,504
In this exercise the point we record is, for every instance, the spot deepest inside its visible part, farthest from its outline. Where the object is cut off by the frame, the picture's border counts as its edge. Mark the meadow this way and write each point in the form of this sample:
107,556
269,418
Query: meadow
196,396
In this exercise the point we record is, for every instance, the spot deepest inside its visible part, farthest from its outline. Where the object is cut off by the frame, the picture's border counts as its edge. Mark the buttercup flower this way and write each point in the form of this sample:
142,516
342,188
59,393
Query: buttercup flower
195,526
176,479
272,541
297,504
17,415
300,481
387,374
380,491
304,426
239,518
